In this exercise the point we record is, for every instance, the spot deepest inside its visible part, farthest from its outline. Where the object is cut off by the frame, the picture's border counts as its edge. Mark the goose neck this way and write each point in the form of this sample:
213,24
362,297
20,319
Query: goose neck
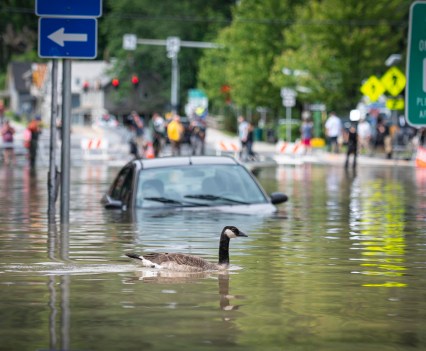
224,250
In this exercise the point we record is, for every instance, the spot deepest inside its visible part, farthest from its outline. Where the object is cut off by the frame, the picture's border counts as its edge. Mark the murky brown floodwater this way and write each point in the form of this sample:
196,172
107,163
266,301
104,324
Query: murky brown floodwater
341,267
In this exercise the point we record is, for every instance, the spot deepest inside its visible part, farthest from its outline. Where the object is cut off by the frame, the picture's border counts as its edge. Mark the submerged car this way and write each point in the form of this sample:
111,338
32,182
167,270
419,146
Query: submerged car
190,183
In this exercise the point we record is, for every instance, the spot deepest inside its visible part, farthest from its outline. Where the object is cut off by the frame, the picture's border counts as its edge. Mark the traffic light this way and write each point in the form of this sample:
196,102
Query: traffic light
226,93
86,86
135,81
115,83
225,89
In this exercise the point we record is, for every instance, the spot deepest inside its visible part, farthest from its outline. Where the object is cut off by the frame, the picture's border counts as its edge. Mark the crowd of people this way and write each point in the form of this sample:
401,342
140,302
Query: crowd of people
146,138
149,138
371,135
160,131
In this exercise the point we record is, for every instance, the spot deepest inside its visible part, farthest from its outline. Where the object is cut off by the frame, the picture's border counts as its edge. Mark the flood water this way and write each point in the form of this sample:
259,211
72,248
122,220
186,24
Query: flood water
341,266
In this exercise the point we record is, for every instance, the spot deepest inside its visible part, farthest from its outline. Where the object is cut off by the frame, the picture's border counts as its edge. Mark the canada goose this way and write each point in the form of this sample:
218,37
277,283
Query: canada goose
189,263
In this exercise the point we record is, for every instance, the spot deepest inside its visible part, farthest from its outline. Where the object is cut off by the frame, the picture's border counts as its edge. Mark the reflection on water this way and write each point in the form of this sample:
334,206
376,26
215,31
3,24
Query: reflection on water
168,277
379,234
324,273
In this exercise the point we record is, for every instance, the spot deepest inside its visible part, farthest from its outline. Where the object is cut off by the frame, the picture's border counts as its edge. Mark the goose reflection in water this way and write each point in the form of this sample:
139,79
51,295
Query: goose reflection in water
171,277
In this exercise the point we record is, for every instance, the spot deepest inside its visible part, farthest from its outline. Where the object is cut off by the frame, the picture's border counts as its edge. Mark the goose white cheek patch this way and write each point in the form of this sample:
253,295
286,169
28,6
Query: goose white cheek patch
148,263
230,234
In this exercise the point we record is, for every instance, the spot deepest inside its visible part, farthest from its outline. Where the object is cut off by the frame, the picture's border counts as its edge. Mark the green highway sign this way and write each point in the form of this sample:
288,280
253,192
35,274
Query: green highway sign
415,94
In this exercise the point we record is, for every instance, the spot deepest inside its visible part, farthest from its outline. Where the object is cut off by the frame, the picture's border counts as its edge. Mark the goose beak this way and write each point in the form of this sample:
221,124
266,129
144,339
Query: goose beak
242,234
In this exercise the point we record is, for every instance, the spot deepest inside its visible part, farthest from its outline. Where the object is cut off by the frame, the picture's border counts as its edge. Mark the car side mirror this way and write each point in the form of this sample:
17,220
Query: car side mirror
112,204
278,198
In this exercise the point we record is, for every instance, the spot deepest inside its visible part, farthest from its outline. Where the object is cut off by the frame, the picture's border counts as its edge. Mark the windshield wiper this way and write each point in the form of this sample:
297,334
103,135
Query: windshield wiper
166,200
210,197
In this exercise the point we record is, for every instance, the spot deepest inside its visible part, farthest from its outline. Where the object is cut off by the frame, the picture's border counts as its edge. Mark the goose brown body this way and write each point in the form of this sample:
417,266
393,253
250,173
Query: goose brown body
190,263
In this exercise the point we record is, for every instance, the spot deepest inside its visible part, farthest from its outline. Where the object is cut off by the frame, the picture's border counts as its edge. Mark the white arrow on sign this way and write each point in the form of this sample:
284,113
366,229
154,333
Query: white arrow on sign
59,37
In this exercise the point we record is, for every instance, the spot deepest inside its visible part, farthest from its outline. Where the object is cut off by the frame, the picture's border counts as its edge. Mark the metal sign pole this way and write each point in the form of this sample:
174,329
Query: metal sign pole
52,158
289,101
175,84
288,124
65,151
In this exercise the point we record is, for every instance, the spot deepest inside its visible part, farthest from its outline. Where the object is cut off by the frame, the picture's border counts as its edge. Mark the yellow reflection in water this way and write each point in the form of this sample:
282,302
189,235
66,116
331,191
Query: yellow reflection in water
382,233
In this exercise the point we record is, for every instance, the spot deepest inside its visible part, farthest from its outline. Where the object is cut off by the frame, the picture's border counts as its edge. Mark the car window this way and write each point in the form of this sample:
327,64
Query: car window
122,187
211,185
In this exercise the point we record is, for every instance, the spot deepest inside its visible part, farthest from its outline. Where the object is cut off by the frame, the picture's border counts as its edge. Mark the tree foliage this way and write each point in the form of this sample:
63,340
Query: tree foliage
252,42
338,45
18,31
333,45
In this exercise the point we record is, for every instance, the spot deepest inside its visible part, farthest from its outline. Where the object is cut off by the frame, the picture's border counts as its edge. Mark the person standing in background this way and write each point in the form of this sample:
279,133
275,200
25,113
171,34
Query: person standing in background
7,132
306,132
243,131
333,130
138,127
34,127
383,140
251,156
2,109
197,128
364,136
175,132
351,137
158,129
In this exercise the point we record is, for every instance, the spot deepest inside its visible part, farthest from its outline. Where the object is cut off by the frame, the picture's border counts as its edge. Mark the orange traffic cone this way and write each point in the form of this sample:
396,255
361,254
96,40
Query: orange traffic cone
149,152
421,157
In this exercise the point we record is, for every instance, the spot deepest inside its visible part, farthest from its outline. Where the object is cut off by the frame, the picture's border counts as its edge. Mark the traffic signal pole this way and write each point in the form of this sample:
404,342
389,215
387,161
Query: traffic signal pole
173,45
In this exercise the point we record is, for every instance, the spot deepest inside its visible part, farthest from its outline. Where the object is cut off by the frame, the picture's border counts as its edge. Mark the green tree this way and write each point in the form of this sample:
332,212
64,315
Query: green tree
18,28
335,45
252,42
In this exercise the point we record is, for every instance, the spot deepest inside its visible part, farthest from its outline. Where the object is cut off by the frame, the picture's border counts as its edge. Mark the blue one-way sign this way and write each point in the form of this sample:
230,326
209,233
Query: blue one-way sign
67,38
67,8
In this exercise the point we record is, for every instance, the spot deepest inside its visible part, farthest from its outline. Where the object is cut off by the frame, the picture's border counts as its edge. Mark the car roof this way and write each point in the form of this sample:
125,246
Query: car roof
185,160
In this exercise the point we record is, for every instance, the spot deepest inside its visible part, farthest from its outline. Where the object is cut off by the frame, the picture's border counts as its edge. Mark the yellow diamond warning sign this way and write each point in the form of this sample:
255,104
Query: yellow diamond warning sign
395,104
373,88
394,81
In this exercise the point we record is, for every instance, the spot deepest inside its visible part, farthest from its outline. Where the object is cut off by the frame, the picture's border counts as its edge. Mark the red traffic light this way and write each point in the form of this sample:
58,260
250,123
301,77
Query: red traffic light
115,83
225,89
86,86
135,79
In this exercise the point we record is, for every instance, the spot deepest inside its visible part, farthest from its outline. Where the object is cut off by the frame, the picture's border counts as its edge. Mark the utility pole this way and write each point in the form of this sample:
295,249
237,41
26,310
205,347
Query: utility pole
173,45
53,176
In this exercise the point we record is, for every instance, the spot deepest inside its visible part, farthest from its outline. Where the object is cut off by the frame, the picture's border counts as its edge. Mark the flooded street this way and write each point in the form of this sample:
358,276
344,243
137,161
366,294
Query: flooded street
341,266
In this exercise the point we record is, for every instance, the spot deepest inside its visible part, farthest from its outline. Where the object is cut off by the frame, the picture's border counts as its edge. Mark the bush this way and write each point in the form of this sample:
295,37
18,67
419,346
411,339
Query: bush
295,131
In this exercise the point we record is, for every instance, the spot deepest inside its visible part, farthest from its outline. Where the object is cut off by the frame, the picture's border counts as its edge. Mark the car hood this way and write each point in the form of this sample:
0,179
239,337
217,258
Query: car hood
259,209
252,209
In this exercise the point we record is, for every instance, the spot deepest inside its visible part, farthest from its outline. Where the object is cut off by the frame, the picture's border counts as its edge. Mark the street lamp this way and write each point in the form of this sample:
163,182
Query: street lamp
393,59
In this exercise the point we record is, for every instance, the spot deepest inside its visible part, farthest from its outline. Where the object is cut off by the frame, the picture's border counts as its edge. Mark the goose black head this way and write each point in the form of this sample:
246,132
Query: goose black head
232,232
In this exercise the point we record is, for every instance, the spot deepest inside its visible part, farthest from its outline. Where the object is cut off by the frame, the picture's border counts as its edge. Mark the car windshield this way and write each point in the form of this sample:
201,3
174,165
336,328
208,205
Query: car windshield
211,185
